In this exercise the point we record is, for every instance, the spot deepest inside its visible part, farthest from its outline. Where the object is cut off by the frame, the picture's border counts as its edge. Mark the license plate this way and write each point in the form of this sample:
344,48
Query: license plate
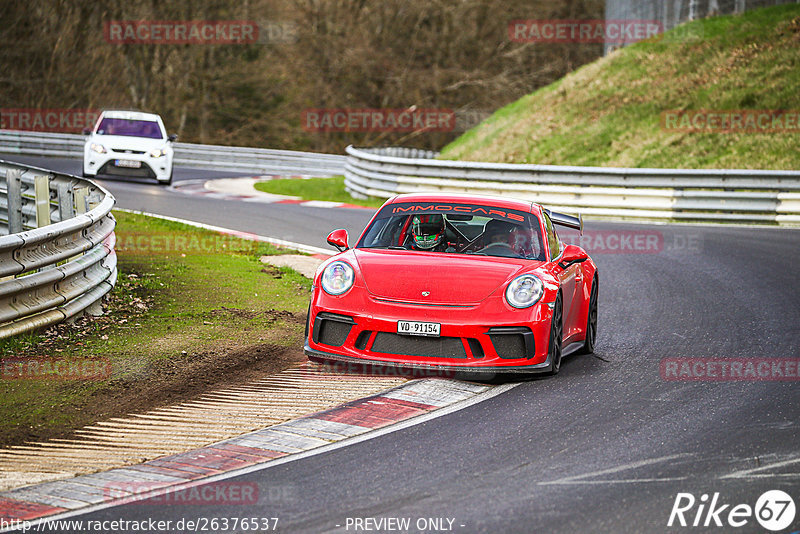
416,328
130,163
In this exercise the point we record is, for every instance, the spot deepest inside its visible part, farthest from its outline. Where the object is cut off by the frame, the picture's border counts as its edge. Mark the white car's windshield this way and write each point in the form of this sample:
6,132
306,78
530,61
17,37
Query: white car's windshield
456,228
130,127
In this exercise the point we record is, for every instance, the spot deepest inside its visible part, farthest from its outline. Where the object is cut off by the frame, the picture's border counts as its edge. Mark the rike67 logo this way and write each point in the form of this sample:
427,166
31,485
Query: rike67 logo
774,510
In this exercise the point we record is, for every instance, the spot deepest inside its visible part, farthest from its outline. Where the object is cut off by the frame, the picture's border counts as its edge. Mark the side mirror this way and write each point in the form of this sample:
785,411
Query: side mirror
338,239
87,131
572,254
172,138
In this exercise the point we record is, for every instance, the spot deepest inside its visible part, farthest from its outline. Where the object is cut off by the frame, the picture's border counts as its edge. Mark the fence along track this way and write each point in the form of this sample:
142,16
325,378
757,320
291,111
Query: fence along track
216,157
57,256
739,196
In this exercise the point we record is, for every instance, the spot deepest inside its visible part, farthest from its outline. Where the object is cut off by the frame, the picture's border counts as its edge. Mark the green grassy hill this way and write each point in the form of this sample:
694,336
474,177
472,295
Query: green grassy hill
609,113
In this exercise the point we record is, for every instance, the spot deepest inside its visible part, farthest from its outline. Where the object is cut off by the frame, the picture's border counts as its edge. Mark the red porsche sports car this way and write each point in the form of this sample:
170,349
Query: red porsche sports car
457,283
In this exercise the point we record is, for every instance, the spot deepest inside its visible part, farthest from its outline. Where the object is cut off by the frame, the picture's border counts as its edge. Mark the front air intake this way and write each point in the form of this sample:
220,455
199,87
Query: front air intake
512,342
331,329
436,347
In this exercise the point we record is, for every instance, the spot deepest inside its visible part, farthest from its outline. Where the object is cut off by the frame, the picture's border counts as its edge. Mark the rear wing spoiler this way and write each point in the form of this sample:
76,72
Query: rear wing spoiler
570,221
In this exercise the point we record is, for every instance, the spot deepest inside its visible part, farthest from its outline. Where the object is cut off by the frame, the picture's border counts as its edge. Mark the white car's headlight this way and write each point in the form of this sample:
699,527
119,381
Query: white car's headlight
337,278
100,149
524,291
158,152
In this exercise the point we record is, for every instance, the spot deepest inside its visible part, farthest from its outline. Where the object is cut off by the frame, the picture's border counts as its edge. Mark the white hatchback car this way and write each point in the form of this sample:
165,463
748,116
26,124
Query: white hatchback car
129,143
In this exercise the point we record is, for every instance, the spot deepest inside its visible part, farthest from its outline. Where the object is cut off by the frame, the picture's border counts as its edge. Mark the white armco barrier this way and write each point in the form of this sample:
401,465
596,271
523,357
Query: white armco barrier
217,157
57,239
740,196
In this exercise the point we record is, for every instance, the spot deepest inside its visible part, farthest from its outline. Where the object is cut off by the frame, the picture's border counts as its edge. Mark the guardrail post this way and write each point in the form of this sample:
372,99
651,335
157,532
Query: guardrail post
94,310
41,187
81,204
14,189
66,207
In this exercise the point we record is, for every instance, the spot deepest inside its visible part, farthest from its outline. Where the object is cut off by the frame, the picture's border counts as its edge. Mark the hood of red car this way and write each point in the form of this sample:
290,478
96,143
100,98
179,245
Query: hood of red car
450,279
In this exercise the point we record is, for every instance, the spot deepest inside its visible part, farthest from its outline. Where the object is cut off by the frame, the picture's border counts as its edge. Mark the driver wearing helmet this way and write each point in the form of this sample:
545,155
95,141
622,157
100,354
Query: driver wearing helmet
497,232
428,233
498,235
525,243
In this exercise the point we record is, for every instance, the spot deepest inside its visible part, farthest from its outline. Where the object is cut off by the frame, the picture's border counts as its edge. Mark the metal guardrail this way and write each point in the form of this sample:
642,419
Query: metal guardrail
741,196
57,239
217,157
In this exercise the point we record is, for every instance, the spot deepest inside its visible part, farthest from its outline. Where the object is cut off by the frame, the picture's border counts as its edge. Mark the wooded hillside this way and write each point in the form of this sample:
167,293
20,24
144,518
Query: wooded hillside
432,54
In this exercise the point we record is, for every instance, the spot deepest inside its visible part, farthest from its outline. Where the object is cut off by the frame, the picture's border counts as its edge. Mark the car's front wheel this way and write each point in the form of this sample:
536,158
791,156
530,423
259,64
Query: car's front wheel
168,181
556,334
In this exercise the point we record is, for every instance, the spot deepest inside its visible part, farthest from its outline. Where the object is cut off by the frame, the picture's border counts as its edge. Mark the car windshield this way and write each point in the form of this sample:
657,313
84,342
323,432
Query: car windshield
454,228
130,127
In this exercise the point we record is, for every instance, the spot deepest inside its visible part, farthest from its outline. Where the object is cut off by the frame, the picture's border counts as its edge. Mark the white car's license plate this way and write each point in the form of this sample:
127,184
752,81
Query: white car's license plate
416,328
130,163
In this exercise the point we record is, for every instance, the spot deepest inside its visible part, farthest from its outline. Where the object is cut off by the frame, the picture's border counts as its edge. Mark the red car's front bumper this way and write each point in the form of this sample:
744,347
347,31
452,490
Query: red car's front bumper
490,337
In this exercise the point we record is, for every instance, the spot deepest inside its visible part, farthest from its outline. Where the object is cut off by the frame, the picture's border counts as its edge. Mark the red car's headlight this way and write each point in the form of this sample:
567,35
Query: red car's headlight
337,278
524,291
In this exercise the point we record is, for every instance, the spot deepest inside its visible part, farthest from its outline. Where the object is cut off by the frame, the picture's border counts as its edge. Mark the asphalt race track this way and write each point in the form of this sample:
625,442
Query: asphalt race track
604,447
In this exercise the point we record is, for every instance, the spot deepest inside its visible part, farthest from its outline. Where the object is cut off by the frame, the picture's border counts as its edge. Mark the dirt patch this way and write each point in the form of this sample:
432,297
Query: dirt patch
179,379
269,316
175,327
170,381
166,381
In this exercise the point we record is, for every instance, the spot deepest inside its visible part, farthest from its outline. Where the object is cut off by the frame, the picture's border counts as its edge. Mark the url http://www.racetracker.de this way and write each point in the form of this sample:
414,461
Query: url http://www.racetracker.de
146,526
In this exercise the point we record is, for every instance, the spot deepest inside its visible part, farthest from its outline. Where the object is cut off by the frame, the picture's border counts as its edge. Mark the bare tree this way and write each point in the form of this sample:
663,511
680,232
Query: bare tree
347,54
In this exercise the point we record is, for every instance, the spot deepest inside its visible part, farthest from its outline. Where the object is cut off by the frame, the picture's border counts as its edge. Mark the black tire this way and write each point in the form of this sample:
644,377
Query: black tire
556,335
591,322
168,181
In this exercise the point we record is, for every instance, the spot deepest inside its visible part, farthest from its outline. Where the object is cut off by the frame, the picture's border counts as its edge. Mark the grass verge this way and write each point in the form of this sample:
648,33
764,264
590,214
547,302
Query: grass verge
609,113
192,310
329,189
